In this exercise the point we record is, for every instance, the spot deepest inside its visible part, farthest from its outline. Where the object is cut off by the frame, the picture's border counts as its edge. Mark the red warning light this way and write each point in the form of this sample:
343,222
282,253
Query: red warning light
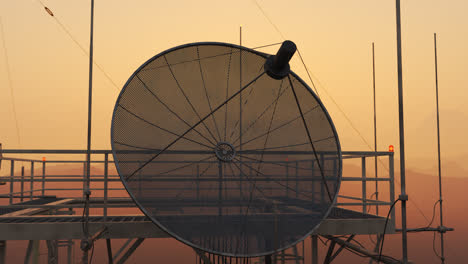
43,159
391,148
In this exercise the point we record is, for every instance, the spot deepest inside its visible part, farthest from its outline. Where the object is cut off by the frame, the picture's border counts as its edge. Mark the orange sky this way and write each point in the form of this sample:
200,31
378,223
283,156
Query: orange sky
49,72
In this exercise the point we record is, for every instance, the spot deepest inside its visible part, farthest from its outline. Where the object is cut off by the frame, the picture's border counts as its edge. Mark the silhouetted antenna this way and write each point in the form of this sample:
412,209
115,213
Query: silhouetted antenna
442,253
86,243
375,130
403,196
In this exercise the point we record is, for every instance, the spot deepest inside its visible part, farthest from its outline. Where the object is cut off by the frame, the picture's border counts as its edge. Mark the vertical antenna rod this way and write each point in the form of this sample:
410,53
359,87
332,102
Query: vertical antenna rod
240,106
90,98
442,255
403,196
375,131
240,95
86,245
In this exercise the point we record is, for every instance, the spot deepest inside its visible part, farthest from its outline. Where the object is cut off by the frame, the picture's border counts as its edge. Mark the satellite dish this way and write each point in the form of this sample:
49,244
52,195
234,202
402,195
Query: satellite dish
226,149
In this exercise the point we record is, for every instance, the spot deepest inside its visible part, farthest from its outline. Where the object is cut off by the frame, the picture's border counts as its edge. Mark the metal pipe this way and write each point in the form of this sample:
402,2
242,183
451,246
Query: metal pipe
287,180
31,188
442,253
84,179
361,250
391,163
314,246
109,251
106,183
88,145
43,177
12,174
198,182
364,185
403,196
220,188
240,110
375,129
297,180
22,183
240,87
358,154
64,178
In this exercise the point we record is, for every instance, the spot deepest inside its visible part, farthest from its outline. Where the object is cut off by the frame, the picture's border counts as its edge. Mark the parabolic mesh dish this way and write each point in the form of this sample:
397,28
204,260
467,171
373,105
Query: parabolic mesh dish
216,152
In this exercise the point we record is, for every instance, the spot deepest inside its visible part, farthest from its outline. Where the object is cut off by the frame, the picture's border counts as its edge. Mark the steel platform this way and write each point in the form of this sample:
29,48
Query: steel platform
34,207
27,225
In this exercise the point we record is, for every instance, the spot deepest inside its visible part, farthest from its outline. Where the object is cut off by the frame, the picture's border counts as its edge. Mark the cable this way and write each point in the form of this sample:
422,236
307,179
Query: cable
433,213
268,18
433,246
385,229
282,36
365,256
335,103
65,29
92,254
307,71
10,83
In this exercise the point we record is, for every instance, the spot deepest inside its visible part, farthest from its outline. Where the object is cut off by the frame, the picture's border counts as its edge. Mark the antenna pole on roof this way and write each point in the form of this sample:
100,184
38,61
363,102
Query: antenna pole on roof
240,86
85,245
375,131
240,106
442,254
403,196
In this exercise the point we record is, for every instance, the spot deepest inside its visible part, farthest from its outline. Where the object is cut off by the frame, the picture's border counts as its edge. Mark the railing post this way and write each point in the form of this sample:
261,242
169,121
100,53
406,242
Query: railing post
287,179
22,183
198,181
84,180
106,183
3,245
12,174
140,185
297,179
312,175
335,169
43,177
391,170
31,191
322,186
314,245
364,186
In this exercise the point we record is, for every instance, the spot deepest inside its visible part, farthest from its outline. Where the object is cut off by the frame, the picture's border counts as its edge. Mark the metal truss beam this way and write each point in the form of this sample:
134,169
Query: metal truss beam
358,249
122,248
340,249
32,252
52,255
329,253
130,251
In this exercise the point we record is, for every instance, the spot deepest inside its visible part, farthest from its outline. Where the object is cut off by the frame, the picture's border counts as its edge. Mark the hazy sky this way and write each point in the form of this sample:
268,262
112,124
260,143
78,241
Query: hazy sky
49,72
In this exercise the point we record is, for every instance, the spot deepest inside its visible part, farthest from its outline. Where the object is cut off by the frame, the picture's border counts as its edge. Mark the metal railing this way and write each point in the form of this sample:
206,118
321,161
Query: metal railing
111,197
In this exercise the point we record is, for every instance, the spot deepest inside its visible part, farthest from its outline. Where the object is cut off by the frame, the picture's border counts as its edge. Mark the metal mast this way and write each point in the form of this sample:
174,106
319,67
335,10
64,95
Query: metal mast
375,131
442,254
85,243
240,87
403,196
